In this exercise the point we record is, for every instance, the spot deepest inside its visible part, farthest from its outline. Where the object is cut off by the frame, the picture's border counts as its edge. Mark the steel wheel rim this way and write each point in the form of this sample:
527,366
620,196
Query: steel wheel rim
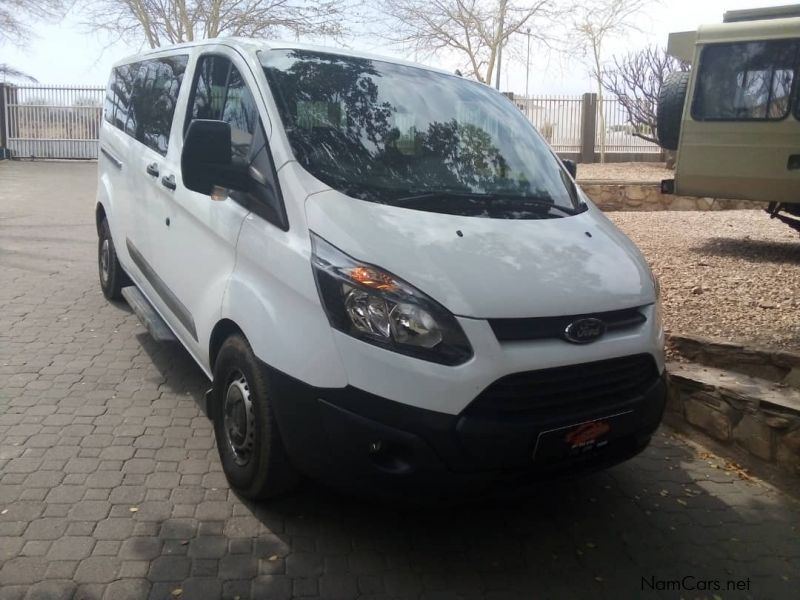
239,419
105,260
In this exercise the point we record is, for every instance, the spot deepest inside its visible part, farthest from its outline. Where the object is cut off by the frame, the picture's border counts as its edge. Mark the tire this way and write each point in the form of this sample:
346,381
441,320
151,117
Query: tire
250,447
670,109
112,277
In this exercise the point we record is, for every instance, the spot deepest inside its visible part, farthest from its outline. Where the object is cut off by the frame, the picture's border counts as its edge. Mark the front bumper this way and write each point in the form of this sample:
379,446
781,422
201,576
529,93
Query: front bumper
355,440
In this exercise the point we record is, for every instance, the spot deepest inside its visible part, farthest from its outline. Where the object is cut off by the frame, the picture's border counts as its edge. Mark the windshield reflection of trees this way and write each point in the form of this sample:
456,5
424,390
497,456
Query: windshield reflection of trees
356,148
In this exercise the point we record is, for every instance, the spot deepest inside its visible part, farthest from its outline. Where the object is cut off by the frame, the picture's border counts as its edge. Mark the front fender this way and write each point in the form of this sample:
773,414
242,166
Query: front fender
273,299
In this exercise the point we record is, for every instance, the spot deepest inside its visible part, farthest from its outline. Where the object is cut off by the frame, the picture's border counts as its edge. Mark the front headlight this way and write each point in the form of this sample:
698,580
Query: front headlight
375,306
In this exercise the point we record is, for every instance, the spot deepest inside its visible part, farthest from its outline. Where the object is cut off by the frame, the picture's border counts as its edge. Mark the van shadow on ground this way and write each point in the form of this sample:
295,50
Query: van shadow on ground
663,516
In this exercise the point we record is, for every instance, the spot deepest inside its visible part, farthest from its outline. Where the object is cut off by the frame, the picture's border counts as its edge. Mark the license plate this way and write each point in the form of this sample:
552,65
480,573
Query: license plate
582,438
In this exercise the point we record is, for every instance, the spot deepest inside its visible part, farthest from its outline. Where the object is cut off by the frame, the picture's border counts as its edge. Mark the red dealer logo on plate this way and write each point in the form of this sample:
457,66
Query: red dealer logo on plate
587,433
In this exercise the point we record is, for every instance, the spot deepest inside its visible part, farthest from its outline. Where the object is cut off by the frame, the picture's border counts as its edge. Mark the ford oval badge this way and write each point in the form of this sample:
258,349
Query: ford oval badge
584,331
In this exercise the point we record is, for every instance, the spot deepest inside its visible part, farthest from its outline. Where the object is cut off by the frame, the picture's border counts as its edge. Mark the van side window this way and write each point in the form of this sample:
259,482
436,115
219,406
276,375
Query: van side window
241,112
750,81
118,94
135,106
155,96
222,94
209,93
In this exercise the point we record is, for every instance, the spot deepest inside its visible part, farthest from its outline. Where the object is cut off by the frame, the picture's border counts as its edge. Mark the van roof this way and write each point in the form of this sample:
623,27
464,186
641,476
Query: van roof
254,44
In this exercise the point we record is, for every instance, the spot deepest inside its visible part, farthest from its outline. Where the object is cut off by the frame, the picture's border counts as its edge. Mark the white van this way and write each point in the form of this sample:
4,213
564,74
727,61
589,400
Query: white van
391,280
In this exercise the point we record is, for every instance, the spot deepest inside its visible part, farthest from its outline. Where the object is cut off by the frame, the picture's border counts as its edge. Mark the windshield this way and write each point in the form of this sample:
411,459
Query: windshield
408,136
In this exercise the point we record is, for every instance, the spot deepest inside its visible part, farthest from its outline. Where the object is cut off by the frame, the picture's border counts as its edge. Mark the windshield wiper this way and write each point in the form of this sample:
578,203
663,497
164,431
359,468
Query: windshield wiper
495,197
427,194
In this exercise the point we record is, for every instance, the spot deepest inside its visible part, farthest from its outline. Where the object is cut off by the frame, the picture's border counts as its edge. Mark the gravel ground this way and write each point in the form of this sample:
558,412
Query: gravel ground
734,275
628,171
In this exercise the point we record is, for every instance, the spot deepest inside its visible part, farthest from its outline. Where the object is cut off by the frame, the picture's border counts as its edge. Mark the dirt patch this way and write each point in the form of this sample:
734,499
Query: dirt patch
733,275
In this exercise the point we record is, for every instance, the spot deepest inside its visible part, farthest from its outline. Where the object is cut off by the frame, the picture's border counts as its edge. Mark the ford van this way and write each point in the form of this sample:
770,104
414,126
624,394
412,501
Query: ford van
392,282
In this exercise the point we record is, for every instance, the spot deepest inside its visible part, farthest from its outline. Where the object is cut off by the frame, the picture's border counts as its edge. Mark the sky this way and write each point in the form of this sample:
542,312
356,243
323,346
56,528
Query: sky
63,53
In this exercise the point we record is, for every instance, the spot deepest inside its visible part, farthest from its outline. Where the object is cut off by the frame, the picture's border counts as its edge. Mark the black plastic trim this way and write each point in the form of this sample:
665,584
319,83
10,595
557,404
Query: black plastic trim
330,434
536,328
161,288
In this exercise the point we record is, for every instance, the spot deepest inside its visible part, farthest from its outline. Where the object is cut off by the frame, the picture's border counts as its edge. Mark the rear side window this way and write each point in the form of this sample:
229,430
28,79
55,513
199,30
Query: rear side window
118,94
137,103
141,99
221,94
155,97
751,81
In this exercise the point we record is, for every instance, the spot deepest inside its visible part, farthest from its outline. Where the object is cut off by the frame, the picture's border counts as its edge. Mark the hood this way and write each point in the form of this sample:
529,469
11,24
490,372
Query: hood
491,268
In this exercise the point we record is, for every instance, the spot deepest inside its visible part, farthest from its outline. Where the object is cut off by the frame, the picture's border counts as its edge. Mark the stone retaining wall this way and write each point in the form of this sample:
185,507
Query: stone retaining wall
772,365
769,431
646,196
748,397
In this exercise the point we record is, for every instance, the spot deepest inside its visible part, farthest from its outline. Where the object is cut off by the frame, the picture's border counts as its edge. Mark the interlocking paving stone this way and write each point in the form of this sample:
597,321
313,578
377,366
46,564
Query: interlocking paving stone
97,569
53,589
169,568
96,419
71,548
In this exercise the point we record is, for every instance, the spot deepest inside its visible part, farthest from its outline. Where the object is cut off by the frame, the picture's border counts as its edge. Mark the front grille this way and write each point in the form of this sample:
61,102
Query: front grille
567,390
537,328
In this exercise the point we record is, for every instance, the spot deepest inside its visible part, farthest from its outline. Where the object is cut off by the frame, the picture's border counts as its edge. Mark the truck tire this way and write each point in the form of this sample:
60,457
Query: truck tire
670,109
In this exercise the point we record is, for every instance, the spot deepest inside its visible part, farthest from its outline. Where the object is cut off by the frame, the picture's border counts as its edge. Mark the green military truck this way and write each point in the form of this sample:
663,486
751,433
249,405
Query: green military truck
734,118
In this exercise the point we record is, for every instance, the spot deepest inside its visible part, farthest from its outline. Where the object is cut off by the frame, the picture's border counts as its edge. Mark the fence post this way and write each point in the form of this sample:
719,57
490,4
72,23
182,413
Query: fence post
588,127
3,141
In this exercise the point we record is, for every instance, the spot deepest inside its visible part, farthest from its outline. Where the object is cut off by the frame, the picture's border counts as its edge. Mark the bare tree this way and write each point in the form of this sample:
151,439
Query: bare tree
593,25
15,19
475,30
635,80
16,15
9,72
162,22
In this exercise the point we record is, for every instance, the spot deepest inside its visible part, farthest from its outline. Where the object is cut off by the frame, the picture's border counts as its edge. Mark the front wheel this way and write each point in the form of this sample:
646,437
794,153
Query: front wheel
112,277
250,447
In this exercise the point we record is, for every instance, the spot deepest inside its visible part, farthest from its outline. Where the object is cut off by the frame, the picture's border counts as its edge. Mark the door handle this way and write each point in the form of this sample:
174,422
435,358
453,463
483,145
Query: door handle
152,169
794,162
169,182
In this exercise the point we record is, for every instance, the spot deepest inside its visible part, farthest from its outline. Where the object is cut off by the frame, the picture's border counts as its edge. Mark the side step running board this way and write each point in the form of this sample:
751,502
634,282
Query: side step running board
147,315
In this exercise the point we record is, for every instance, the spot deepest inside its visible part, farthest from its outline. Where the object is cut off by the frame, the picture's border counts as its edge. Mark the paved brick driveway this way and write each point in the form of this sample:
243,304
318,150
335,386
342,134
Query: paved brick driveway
110,485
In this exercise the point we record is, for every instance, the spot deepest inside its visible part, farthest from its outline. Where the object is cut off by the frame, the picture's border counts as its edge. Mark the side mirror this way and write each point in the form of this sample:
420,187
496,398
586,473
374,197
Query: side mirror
206,158
571,167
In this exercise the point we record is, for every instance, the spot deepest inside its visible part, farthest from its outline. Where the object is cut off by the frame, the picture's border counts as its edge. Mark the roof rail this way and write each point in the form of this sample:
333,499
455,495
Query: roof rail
760,14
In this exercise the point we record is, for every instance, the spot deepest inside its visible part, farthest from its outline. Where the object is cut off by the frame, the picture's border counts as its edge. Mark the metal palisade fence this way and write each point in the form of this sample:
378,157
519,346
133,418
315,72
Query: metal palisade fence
558,118
47,121
570,124
619,133
52,121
